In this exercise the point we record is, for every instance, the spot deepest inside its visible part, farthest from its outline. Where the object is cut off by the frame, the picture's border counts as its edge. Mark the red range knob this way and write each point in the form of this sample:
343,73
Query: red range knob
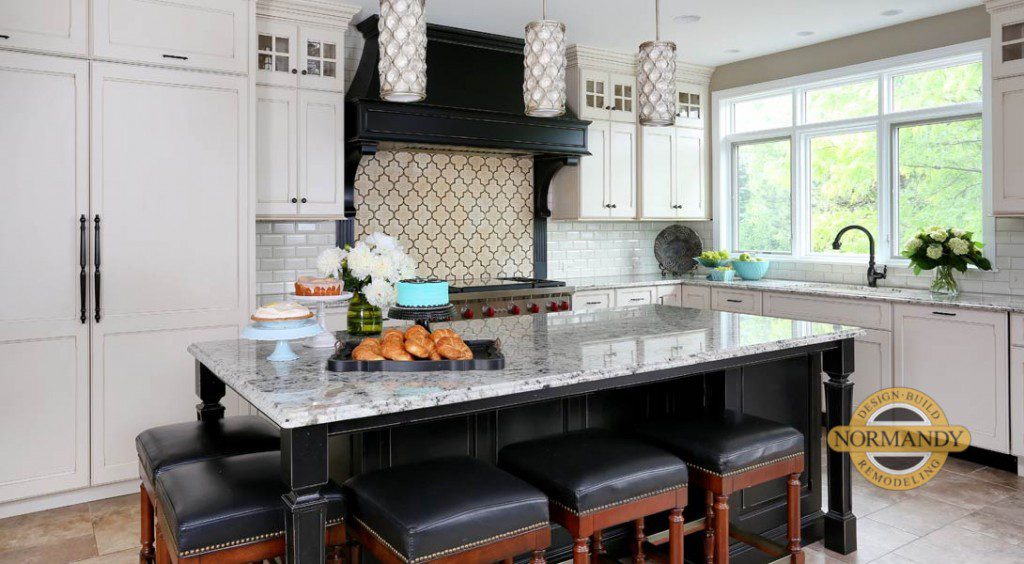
533,308
467,313
553,306
564,306
488,311
514,309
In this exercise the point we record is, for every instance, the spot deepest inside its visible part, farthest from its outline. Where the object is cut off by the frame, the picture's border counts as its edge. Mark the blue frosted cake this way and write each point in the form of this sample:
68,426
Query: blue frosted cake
421,292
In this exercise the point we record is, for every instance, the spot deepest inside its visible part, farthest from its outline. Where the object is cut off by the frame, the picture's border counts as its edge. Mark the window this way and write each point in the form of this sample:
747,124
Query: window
894,146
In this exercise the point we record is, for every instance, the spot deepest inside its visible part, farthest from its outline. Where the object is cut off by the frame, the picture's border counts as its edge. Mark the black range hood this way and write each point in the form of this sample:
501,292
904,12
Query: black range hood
474,99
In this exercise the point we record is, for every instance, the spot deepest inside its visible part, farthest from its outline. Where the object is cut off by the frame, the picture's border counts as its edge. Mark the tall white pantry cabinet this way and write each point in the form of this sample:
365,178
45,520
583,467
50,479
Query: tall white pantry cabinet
128,228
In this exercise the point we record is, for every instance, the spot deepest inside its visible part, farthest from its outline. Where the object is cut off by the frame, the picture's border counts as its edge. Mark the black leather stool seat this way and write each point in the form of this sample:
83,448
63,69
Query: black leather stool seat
431,509
726,443
594,469
165,447
222,502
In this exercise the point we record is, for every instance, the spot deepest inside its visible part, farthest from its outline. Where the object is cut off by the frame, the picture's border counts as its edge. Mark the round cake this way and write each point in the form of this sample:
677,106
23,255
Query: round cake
420,292
281,311
312,286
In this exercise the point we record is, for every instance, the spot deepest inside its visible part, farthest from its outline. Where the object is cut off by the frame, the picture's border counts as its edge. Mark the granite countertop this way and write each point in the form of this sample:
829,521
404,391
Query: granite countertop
967,300
541,351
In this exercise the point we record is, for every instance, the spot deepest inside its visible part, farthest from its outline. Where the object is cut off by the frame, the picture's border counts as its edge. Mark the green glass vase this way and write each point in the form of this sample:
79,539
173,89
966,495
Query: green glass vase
364,319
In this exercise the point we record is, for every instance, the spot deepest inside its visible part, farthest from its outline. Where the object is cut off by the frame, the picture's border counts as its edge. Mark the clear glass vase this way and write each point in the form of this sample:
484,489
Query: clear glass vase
364,319
944,284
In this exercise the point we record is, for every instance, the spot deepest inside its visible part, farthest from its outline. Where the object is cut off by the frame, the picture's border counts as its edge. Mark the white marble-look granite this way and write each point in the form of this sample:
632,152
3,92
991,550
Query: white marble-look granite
989,302
541,351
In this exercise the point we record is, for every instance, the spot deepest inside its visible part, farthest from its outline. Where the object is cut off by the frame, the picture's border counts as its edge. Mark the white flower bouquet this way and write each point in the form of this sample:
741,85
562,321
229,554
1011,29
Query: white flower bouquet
373,267
943,250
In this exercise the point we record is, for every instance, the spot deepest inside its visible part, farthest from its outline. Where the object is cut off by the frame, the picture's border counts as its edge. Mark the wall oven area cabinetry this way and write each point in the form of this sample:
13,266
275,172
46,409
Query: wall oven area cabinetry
52,26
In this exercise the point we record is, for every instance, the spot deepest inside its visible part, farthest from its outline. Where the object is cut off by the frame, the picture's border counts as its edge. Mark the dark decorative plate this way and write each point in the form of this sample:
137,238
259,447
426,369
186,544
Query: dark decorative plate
675,248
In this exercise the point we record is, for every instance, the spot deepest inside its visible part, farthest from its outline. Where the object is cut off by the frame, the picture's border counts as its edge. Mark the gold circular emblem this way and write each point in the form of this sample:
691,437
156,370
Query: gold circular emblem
898,438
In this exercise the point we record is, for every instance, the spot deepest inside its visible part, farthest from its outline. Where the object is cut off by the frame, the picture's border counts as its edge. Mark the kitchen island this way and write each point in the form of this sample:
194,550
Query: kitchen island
563,371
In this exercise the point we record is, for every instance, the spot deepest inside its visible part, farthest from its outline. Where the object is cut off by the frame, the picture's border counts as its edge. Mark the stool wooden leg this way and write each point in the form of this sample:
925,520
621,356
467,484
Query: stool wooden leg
538,557
598,546
796,554
721,529
639,538
334,554
146,553
675,536
581,551
162,555
354,553
709,528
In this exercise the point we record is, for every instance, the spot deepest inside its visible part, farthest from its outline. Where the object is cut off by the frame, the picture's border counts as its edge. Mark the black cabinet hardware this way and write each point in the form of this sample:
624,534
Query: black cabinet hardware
303,72
96,264
614,206
82,263
946,313
295,200
176,57
636,299
735,301
303,200
5,36
295,71
593,303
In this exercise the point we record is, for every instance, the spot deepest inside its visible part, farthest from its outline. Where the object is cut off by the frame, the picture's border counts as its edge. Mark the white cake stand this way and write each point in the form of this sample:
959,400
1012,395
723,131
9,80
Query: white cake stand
283,351
326,339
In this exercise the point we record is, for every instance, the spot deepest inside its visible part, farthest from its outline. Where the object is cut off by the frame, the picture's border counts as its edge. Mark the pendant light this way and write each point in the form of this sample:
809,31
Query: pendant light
403,50
656,79
544,67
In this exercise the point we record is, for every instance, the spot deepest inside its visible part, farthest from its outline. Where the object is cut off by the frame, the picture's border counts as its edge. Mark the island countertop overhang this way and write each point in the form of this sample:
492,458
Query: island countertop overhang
565,350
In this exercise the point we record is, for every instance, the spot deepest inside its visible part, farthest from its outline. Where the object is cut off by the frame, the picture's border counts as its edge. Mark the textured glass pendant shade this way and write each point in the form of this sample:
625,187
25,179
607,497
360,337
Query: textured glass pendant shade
403,50
656,81
544,69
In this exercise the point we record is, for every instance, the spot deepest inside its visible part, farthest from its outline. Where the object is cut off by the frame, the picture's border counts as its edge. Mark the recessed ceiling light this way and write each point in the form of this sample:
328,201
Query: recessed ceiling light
805,33
689,19
732,50
892,12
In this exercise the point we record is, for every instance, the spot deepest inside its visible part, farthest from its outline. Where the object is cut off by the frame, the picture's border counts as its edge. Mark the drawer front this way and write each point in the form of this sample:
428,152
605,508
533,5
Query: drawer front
200,34
671,295
696,297
736,301
859,313
45,25
594,299
634,296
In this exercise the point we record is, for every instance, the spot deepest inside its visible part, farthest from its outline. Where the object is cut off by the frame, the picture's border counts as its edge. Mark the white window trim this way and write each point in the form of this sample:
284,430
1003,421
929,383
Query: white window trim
887,247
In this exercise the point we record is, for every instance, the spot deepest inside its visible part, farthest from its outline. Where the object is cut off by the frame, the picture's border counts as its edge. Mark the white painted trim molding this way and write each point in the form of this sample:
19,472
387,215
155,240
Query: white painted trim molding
63,499
311,12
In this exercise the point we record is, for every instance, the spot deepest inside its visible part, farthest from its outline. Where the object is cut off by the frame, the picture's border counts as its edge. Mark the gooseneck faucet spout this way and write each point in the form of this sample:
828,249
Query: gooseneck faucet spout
873,275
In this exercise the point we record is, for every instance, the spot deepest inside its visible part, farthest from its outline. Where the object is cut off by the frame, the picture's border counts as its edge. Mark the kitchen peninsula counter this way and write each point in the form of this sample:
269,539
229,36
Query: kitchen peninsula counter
563,371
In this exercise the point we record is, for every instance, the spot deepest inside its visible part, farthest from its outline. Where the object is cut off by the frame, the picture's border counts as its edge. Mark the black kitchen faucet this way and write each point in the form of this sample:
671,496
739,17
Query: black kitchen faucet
873,275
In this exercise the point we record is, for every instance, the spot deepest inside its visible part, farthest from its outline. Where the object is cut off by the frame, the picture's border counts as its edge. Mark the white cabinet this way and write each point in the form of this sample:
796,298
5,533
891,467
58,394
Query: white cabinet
321,149
603,185
696,297
44,344
169,148
277,116
672,178
674,346
197,34
959,358
1007,146
1007,33
872,361
736,301
606,95
593,299
299,56
671,295
59,26
1017,400
691,104
634,296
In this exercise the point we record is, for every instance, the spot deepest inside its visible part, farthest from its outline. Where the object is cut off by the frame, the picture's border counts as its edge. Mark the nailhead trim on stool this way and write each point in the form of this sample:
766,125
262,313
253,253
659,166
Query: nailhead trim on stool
239,542
452,550
747,468
617,503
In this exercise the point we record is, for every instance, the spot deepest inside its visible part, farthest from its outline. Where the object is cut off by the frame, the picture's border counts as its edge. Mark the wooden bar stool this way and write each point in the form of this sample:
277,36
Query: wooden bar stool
229,510
731,451
162,448
451,510
596,479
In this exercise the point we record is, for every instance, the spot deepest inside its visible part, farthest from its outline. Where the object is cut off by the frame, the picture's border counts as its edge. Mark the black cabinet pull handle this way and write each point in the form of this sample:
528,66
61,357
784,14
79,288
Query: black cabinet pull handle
946,313
636,299
96,264
735,301
5,36
83,263
614,206
303,200
176,57
593,303
295,200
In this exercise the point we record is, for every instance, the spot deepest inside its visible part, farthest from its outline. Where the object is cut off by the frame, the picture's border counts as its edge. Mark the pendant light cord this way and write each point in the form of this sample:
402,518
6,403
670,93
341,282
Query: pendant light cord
544,9
657,18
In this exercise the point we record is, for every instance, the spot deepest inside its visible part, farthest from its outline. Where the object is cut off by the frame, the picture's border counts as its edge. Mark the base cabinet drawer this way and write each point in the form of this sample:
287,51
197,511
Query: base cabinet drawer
869,314
593,299
960,358
696,297
60,26
634,296
736,301
671,295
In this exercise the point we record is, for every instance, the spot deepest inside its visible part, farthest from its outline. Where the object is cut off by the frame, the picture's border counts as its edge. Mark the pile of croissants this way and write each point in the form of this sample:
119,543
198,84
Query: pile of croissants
415,343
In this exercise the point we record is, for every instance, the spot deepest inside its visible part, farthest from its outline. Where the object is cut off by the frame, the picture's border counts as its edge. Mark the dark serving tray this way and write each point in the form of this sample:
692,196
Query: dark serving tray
486,356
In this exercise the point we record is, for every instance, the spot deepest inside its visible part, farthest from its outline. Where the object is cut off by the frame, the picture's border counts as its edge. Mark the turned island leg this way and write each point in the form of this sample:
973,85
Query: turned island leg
840,524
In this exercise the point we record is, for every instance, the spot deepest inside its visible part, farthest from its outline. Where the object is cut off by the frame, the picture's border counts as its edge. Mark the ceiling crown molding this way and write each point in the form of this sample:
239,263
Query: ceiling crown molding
582,55
690,72
316,12
996,6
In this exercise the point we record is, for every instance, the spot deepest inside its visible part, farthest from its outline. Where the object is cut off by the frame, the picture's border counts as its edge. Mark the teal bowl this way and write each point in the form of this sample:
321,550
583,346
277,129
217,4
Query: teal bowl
721,275
751,270
712,263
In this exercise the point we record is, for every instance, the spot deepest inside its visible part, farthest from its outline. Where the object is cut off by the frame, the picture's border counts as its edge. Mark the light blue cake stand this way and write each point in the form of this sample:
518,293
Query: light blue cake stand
283,352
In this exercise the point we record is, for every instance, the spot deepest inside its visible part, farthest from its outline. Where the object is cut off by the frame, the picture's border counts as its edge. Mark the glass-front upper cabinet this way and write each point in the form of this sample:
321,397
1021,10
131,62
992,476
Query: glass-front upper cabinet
289,55
691,105
623,100
607,96
1007,38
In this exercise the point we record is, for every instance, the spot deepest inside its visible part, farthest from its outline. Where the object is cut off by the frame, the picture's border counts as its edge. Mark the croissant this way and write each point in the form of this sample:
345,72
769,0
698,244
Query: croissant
449,349
419,347
442,333
370,341
365,353
416,331
395,352
392,331
434,355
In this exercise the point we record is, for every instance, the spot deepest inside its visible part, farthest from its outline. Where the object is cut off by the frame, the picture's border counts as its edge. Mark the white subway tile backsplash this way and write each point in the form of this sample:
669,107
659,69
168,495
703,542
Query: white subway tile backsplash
286,250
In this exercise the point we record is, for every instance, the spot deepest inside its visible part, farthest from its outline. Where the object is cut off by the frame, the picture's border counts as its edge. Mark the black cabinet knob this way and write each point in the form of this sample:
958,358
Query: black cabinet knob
303,200
614,206
303,72
295,71
295,200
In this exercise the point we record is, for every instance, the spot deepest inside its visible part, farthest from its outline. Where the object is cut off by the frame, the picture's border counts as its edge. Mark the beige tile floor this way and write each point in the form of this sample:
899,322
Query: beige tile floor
966,514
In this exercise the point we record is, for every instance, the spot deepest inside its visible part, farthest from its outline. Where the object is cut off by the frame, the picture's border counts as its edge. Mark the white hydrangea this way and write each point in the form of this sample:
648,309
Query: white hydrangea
938,235
958,246
934,251
913,244
381,242
958,232
380,293
328,263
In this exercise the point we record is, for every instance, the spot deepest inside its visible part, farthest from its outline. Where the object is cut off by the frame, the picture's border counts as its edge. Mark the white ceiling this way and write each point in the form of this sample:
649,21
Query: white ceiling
754,27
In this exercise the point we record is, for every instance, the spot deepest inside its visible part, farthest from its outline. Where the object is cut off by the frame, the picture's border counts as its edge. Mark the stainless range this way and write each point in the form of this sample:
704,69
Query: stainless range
502,297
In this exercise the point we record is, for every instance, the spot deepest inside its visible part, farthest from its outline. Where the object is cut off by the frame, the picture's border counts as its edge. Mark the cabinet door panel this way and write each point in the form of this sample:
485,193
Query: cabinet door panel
657,172
872,359
321,142
622,170
1007,146
736,301
1017,400
690,187
623,98
44,345
207,34
959,358
669,295
696,297
595,94
47,25
169,179
594,172
277,115
322,59
278,60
